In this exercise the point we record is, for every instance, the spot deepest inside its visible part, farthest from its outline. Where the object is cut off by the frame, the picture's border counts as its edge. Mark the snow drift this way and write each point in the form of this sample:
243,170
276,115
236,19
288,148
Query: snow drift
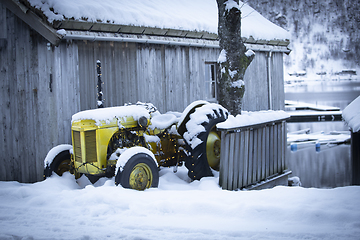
60,208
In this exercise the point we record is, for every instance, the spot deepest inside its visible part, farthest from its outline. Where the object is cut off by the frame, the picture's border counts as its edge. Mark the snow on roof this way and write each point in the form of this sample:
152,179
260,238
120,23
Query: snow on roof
351,115
191,15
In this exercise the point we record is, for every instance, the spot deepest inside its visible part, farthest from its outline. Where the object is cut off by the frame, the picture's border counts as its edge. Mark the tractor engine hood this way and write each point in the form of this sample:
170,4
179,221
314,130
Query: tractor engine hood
123,117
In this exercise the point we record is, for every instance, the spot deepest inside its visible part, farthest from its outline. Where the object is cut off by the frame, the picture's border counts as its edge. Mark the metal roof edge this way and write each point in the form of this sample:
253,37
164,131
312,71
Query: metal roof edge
120,37
153,31
268,48
130,29
165,40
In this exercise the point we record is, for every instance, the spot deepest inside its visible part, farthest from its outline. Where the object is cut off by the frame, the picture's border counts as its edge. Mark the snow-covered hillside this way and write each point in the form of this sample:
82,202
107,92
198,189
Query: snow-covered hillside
59,208
325,36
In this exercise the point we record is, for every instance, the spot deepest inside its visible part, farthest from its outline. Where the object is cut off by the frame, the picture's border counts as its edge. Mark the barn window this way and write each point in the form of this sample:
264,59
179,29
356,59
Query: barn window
210,80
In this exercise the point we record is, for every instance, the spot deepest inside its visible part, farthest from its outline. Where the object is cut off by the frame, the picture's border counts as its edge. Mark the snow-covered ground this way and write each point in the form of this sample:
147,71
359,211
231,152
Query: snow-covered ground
60,208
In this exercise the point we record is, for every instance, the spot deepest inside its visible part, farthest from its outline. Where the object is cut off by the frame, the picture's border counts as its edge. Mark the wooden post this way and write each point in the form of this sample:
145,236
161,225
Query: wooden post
355,156
284,144
100,101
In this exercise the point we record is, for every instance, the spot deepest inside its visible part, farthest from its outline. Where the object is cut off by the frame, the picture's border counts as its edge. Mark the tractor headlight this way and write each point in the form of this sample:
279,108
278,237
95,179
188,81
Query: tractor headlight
143,121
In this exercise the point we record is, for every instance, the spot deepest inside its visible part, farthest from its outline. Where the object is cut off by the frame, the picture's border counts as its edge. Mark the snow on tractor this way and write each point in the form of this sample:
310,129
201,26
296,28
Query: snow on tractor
132,142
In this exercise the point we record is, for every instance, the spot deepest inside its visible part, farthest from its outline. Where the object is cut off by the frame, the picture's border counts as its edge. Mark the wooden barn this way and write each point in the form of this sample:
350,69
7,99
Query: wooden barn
48,68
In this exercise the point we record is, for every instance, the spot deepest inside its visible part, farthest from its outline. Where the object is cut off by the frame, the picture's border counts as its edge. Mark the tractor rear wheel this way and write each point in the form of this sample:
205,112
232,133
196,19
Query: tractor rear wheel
203,140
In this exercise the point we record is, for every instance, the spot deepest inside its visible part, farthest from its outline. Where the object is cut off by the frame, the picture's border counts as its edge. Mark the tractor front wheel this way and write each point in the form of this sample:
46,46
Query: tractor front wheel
59,165
140,172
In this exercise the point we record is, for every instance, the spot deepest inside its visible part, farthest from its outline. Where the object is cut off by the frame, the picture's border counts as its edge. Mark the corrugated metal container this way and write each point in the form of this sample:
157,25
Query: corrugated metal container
253,155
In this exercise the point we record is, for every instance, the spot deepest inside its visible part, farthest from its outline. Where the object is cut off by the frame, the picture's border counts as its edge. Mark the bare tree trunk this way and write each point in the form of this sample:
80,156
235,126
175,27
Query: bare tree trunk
234,57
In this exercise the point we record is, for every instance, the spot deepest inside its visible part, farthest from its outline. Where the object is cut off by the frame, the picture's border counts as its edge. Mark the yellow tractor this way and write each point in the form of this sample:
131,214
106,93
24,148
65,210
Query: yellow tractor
132,142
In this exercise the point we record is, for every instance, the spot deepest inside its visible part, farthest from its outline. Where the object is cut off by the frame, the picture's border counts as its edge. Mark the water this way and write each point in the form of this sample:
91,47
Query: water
331,167
328,168
332,93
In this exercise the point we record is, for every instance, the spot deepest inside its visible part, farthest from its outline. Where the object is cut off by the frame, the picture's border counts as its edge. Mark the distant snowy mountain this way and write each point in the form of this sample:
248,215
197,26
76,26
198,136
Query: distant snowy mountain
325,35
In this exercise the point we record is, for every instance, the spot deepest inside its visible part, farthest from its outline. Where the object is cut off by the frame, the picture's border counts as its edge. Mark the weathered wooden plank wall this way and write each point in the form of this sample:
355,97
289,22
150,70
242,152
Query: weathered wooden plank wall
256,95
277,81
34,115
66,88
19,94
6,146
170,77
3,87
